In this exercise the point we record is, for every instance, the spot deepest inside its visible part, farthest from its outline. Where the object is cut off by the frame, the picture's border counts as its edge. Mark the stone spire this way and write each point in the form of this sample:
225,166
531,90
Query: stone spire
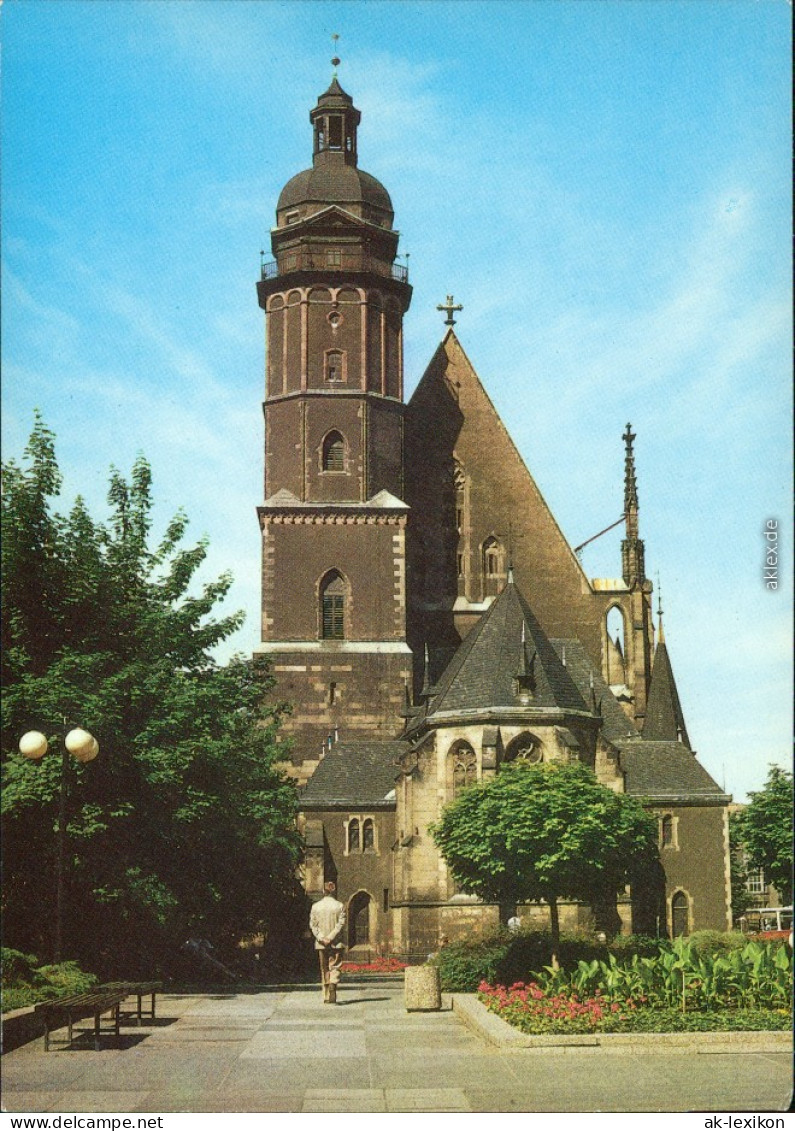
664,720
425,693
632,548
660,630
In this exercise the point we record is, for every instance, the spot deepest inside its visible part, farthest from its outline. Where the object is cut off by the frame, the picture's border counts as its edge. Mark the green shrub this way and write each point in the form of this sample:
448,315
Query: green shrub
625,946
16,966
67,978
529,952
506,958
464,965
25,982
716,942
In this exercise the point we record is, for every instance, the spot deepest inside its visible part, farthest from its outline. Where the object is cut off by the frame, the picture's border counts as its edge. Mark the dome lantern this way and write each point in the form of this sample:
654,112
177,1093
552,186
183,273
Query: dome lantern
334,122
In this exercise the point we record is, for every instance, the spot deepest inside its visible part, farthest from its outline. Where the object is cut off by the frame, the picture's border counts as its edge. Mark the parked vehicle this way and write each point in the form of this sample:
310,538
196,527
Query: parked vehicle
767,922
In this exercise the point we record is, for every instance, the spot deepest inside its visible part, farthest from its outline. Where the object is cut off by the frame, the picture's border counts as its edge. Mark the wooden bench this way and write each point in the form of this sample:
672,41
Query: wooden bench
140,990
67,1010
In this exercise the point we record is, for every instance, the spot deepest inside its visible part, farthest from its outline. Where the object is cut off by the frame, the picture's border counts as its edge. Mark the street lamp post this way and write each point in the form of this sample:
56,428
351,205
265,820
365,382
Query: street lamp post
84,748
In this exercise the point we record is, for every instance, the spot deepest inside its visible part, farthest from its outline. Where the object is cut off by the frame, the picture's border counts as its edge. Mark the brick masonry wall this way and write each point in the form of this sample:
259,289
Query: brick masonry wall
696,864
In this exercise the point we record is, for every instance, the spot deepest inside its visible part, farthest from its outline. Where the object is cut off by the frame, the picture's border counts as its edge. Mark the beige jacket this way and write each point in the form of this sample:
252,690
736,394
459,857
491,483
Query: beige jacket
326,920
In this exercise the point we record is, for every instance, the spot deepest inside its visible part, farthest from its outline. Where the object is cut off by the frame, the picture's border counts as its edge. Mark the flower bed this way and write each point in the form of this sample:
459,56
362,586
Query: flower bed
377,966
532,1009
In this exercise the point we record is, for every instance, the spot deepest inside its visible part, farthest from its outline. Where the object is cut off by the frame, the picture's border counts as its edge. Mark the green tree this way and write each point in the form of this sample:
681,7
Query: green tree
765,826
741,899
184,823
545,832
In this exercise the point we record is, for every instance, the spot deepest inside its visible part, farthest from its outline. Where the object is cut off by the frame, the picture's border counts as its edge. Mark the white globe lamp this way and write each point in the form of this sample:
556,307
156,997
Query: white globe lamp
87,754
79,743
33,745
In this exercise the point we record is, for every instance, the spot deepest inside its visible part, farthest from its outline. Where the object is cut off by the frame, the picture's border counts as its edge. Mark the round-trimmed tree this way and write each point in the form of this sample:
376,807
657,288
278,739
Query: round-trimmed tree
545,832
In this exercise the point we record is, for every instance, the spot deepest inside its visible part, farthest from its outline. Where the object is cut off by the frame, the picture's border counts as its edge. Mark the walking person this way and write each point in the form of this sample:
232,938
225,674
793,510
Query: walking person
326,921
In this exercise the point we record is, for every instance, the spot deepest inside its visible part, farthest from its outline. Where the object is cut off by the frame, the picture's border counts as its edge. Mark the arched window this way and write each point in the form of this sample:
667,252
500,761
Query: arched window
332,599
354,843
616,648
680,915
524,748
666,831
491,558
368,835
359,919
493,566
333,452
335,359
463,766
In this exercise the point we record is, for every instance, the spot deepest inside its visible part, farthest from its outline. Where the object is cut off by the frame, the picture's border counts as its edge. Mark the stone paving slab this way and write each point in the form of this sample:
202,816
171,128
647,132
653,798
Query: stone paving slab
289,1076
344,1099
305,1044
285,1051
426,1099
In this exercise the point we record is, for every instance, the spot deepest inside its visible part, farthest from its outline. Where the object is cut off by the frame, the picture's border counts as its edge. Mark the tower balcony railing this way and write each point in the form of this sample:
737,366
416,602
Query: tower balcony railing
308,261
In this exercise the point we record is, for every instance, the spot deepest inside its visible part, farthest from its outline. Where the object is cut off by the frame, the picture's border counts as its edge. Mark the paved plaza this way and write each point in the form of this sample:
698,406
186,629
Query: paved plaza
275,1050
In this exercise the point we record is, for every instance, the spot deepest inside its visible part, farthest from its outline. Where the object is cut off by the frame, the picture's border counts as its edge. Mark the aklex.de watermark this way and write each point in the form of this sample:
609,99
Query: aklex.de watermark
770,577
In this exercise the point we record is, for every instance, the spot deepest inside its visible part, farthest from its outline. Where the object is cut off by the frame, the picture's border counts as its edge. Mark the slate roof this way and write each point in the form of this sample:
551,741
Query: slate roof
335,95
335,183
616,725
664,717
481,674
667,771
355,773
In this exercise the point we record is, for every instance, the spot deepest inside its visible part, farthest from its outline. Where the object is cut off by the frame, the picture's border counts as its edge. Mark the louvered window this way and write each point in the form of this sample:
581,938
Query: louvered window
333,452
333,598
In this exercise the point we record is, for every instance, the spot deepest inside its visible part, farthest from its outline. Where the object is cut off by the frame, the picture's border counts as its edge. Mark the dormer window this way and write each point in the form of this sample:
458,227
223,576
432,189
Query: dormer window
293,217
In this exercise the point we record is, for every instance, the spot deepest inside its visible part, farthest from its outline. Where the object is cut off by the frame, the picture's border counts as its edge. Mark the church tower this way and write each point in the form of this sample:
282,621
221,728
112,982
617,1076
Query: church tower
333,520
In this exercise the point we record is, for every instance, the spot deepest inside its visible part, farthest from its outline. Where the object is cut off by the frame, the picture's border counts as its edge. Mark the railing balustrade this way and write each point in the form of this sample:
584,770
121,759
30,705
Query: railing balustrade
307,262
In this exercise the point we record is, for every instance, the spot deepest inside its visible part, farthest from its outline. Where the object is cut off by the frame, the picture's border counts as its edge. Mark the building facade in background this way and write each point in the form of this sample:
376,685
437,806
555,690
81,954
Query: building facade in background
421,608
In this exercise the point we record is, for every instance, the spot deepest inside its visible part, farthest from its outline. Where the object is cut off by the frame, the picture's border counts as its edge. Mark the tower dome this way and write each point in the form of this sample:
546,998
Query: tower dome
334,177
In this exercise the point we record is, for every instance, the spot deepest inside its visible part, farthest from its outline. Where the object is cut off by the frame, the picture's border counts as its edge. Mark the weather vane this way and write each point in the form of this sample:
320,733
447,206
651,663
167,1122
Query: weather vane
335,62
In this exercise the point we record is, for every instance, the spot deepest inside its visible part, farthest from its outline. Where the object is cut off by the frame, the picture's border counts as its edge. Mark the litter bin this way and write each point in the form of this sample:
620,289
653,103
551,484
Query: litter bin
423,989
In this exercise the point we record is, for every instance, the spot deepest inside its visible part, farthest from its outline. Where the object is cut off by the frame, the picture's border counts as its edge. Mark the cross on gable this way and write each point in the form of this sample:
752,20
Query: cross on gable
450,308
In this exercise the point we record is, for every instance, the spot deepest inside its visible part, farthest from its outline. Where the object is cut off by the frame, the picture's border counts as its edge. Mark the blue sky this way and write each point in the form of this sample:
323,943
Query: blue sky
605,186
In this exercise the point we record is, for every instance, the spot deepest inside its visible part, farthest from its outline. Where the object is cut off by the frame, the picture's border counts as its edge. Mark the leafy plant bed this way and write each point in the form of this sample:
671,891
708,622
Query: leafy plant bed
377,966
531,1009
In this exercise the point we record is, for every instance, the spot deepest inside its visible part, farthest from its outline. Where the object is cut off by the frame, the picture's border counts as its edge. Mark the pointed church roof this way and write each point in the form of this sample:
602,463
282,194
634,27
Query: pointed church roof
506,646
452,424
664,721
335,95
